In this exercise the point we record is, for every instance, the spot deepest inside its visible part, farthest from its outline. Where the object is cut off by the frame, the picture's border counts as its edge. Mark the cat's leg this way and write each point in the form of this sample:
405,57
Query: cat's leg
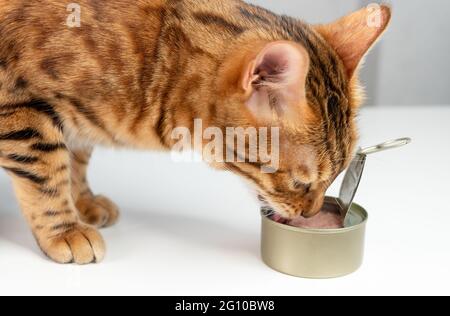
95,210
33,152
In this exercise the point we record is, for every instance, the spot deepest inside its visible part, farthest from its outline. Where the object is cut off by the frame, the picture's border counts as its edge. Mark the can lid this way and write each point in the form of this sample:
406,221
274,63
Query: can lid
355,172
351,182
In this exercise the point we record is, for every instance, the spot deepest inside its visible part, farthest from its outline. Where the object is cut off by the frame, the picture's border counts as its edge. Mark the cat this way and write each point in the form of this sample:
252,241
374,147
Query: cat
125,74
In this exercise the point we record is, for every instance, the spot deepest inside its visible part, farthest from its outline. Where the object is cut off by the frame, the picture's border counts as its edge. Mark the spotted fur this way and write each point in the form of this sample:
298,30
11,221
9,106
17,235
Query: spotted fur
134,71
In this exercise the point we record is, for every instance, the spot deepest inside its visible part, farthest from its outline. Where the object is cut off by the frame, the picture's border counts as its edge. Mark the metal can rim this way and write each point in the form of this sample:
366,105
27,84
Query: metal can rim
317,231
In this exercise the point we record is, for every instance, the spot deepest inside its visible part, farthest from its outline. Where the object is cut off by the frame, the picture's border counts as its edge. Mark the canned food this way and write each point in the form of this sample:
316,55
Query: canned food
315,253
323,253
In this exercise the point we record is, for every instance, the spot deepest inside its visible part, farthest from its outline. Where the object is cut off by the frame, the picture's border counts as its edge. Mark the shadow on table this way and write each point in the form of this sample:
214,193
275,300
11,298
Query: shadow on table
192,230
201,232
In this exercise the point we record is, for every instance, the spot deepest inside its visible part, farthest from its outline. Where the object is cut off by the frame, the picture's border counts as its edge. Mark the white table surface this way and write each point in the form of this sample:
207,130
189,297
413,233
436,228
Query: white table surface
188,230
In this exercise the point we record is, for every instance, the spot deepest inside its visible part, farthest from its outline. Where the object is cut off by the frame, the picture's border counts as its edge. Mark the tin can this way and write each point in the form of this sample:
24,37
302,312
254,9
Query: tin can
315,253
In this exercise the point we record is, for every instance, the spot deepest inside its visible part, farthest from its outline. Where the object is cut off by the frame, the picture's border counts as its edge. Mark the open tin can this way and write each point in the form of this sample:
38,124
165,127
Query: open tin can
323,253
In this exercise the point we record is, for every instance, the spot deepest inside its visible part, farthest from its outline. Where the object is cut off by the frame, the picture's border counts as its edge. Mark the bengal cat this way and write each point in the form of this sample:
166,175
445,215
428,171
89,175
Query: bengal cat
132,71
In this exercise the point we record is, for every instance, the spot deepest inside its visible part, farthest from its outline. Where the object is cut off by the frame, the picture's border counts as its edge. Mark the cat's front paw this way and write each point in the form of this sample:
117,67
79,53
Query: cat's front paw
80,244
98,211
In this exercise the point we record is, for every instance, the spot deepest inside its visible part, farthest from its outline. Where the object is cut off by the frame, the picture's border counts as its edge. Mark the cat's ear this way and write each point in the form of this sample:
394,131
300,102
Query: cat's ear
352,36
274,82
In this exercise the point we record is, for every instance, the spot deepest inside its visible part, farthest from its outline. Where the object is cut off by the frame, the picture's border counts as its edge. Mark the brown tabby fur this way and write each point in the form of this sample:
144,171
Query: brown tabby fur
131,73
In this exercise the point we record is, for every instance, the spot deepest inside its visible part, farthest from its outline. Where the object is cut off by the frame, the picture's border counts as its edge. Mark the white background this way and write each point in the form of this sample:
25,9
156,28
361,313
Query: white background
188,230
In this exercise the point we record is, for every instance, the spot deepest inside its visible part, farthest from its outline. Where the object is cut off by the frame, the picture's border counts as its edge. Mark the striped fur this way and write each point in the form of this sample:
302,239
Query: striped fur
132,73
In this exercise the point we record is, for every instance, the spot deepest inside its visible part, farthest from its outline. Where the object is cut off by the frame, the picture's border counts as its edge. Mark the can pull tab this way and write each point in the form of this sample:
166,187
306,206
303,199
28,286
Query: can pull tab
385,146
354,173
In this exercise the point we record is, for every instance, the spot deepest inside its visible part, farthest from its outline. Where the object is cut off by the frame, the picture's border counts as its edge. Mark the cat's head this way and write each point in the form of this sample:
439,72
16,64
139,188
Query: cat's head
307,85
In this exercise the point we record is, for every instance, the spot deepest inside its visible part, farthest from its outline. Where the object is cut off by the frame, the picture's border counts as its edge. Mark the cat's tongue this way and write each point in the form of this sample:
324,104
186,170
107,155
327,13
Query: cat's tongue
323,220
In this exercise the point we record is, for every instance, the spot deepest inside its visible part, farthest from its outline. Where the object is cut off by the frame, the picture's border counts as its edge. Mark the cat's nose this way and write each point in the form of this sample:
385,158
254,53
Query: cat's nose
313,205
310,213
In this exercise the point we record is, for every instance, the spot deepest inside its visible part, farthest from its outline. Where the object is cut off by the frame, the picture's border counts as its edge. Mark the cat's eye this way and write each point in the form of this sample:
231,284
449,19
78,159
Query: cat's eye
299,185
